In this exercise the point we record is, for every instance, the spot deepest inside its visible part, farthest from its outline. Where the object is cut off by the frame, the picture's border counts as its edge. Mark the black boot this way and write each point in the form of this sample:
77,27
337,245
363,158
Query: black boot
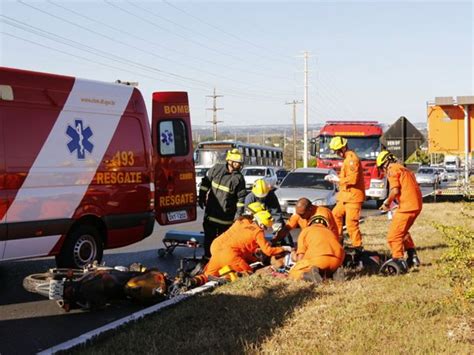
412,258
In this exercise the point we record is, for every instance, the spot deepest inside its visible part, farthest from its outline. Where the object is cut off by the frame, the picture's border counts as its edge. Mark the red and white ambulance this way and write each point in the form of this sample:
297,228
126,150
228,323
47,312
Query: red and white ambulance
81,169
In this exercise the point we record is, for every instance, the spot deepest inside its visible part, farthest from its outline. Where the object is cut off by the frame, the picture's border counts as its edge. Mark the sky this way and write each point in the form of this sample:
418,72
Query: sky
371,60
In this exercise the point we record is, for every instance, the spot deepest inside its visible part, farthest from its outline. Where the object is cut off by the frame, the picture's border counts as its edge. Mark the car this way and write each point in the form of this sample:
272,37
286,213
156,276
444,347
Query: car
200,173
281,175
309,183
252,173
427,176
452,174
442,173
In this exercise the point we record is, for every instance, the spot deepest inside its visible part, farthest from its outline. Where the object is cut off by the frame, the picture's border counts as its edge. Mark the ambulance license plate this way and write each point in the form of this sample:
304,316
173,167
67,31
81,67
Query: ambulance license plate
290,210
177,216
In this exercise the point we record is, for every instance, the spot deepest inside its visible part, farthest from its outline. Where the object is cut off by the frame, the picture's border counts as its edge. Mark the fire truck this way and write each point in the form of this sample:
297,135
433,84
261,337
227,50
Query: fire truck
82,169
364,139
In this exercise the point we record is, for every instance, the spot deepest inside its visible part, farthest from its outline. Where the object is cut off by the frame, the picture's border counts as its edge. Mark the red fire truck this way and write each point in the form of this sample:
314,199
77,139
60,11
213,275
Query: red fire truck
363,138
81,169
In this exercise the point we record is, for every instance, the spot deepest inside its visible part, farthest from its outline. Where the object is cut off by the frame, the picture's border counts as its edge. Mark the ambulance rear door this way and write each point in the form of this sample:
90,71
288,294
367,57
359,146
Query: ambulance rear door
175,188
3,192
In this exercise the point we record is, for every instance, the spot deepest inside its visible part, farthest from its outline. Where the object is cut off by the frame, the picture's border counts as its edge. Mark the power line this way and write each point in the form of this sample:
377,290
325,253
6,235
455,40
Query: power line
95,51
260,47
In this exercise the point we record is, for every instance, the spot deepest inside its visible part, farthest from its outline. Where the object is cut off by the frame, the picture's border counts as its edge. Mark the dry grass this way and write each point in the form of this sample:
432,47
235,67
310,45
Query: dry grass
413,313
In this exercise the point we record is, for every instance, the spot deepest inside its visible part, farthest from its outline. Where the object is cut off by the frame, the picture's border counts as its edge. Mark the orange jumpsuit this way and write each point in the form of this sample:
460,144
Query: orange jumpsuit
321,248
296,221
236,248
350,197
410,205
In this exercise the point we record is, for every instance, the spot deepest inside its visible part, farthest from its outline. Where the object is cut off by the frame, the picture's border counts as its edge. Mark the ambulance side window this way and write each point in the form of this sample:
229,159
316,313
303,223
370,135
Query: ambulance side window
173,138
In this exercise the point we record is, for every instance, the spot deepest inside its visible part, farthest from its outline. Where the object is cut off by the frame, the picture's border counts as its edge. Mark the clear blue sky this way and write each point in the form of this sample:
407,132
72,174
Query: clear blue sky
369,60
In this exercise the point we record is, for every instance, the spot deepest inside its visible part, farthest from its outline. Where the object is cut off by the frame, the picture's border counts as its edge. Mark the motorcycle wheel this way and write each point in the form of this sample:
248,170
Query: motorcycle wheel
39,283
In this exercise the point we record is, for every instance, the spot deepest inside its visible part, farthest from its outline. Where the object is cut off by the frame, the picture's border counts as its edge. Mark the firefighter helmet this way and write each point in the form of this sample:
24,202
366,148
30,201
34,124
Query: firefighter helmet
234,155
383,157
337,143
260,188
318,219
263,219
254,207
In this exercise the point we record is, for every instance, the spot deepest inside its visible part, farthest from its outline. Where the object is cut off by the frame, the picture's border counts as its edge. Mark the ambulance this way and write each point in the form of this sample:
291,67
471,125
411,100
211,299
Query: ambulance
83,170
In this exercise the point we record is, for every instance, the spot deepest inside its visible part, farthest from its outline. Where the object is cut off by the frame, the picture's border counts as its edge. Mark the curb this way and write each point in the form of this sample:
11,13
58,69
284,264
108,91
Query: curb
82,339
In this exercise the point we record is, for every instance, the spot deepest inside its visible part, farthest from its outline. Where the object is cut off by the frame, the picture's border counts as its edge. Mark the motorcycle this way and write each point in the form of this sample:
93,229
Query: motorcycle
96,286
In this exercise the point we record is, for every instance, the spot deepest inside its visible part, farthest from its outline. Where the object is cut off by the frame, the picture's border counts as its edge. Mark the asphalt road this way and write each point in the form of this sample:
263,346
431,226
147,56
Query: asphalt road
30,323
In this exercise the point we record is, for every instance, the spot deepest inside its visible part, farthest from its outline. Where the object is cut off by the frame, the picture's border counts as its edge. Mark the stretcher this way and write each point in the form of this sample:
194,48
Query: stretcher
174,238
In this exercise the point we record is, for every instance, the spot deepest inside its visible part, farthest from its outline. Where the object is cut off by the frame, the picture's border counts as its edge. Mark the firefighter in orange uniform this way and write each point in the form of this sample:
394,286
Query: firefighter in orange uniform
351,193
405,190
237,246
319,252
303,212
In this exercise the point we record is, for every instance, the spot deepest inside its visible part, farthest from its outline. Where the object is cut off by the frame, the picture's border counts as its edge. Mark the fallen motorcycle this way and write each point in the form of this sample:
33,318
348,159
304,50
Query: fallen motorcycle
95,286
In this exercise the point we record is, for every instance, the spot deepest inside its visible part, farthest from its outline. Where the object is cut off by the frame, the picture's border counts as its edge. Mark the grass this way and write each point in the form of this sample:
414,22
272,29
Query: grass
413,313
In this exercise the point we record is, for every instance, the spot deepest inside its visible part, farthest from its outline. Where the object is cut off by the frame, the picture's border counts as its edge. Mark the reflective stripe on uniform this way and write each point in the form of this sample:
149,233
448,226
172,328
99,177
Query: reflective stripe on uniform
220,221
203,188
220,187
240,204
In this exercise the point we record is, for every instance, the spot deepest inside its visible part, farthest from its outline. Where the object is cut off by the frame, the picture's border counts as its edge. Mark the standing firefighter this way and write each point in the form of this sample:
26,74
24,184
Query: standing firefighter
405,190
223,193
351,193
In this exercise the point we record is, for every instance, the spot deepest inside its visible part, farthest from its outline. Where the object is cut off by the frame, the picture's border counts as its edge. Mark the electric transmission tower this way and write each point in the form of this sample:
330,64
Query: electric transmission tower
214,113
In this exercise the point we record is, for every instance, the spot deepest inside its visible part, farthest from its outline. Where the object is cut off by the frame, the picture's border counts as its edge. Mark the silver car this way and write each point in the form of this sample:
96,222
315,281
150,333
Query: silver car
309,183
427,176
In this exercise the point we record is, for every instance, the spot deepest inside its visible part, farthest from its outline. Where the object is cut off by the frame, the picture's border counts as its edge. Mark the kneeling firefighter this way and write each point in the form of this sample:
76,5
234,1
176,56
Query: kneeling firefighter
319,252
262,192
235,249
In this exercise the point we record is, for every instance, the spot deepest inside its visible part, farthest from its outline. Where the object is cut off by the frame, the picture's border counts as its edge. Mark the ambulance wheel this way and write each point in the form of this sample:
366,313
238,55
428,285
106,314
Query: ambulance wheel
161,252
83,245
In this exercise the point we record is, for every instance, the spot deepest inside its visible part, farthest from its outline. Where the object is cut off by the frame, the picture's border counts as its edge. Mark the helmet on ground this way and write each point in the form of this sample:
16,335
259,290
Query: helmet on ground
318,219
337,143
383,157
264,219
234,155
260,188
254,207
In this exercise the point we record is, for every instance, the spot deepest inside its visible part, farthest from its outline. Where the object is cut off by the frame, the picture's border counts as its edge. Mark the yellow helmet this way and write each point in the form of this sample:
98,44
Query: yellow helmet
318,219
234,155
254,207
337,143
264,219
383,157
260,188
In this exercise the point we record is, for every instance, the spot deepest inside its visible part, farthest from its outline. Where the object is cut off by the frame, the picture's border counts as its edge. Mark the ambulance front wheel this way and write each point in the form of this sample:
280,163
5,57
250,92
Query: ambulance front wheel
83,245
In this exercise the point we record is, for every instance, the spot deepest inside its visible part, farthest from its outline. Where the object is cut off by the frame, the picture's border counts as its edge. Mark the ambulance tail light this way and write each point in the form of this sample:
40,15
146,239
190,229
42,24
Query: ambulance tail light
152,196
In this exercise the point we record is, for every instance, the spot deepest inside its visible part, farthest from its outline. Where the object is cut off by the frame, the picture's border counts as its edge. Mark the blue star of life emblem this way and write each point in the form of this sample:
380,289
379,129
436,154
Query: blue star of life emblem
79,139
167,137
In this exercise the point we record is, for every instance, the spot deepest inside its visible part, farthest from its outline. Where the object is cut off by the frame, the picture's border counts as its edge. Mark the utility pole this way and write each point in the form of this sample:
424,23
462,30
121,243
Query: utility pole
214,113
294,103
305,127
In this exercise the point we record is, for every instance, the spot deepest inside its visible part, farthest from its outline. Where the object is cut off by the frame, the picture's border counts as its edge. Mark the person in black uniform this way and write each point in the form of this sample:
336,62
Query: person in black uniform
222,194
263,193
